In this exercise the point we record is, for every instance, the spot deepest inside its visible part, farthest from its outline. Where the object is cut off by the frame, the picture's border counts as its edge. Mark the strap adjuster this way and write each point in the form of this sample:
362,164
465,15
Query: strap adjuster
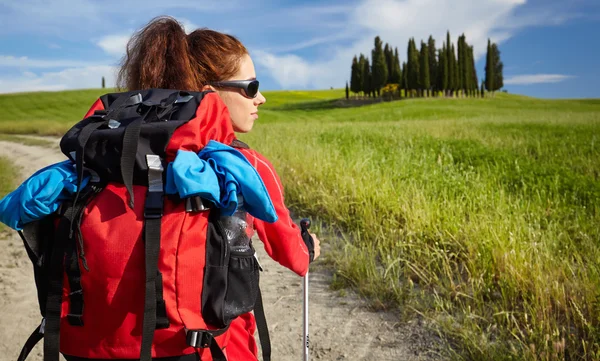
199,338
153,208
75,320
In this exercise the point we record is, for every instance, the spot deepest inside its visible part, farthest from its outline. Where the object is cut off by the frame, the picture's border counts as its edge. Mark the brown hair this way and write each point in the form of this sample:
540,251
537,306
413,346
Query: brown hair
161,55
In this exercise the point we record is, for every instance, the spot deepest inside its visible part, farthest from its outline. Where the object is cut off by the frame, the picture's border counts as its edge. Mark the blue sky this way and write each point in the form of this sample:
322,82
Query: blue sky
550,48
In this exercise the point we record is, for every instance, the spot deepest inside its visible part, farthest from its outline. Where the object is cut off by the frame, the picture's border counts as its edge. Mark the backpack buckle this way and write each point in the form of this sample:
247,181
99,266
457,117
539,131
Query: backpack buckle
199,338
196,204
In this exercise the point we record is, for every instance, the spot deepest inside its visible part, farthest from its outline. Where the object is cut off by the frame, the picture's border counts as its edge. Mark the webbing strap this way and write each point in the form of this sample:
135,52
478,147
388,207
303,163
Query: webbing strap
152,217
131,138
82,139
33,339
261,326
75,315
55,287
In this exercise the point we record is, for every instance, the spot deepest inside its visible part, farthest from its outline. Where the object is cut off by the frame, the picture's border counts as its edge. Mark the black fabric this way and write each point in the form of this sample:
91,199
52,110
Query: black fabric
75,315
236,143
33,339
215,273
131,138
242,285
152,219
162,321
54,298
103,151
38,239
230,278
261,326
73,271
82,140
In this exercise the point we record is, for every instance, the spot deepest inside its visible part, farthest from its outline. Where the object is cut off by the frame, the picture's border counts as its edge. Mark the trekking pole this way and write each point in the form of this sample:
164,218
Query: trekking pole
304,226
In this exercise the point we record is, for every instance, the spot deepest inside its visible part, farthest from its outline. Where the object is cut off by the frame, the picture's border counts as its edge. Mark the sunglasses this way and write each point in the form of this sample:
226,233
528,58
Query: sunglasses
250,87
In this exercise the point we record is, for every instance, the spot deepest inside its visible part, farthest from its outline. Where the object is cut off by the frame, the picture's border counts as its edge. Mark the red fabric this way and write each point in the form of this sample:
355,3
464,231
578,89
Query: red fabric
114,287
212,122
242,345
98,105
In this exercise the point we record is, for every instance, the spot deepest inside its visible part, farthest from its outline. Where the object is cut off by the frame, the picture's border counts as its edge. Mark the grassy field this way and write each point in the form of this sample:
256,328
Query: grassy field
8,174
479,214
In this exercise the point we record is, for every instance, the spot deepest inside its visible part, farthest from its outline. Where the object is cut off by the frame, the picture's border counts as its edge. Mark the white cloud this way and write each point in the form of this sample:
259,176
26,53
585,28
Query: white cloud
395,21
26,62
528,79
114,44
72,78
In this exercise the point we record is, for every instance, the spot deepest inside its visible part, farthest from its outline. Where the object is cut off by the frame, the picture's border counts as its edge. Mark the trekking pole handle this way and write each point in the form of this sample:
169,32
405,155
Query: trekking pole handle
304,226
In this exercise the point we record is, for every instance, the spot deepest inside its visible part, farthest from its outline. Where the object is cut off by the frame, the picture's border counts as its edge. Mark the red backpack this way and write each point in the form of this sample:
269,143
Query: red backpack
124,271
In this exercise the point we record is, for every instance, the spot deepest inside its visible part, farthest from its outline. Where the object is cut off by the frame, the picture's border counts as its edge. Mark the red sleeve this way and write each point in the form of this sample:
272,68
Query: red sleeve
282,239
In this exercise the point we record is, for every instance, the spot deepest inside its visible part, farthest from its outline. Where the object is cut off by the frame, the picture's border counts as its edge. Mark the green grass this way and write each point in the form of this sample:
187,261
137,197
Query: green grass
479,214
8,173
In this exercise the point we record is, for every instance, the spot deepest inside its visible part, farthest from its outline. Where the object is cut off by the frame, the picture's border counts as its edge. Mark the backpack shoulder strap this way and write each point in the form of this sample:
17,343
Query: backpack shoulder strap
236,143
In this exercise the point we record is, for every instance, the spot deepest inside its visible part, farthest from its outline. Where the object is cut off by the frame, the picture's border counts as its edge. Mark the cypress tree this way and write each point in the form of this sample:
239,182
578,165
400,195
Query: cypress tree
424,69
396,72
433,64
449,56
405,78
452,69
455,73
482,89
413,65
379,69
498,68
355,81
460,84
347,91
467,71
361,72
489,68
389,62
103,83
367,78
443,70
473,70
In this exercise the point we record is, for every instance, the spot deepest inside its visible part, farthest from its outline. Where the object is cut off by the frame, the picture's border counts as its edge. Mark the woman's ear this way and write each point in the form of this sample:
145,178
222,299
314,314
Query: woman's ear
208,87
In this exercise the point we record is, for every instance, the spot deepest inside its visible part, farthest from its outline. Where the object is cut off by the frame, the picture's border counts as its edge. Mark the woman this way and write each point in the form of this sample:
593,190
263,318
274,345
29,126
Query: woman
162,56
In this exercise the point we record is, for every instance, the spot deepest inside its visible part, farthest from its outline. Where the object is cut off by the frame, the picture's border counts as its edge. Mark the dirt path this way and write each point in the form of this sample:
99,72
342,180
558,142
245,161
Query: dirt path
341,328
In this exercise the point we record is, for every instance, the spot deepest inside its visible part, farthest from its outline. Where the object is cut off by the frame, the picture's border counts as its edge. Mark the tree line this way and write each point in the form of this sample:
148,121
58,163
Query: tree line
427,71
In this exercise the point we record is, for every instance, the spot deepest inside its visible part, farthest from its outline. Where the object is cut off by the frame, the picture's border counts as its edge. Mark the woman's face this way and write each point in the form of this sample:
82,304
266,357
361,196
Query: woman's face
243,110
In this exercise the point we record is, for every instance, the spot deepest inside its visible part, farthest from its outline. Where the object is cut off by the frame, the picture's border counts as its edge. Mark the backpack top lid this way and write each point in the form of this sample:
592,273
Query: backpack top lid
194,118
121,129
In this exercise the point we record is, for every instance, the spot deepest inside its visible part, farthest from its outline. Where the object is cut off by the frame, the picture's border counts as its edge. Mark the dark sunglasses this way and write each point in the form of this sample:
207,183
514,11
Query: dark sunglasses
250,87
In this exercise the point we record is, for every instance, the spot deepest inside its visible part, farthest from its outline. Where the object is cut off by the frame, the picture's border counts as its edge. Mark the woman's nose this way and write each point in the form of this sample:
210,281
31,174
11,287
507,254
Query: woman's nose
260,99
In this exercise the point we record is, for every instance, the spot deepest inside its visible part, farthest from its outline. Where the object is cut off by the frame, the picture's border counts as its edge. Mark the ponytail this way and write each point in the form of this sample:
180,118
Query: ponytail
158,57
